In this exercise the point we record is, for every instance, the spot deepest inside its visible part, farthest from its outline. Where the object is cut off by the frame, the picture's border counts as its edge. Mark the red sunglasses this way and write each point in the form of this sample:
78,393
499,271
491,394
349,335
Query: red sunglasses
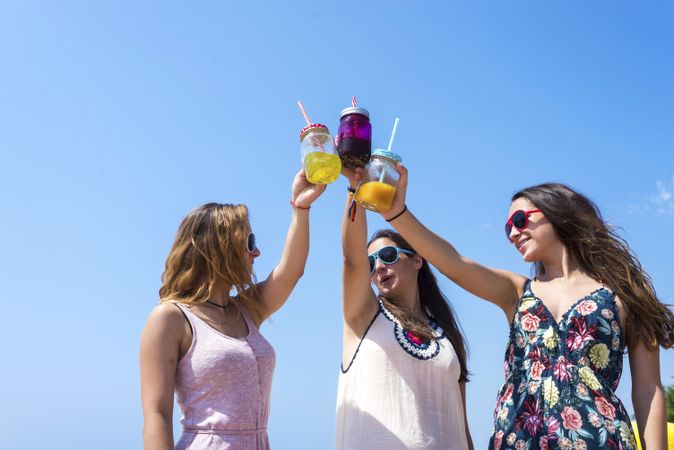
519,220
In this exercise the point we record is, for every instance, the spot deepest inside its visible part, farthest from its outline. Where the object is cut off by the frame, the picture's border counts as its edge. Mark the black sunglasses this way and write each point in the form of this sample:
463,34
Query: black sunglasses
387,255
251,245
519,220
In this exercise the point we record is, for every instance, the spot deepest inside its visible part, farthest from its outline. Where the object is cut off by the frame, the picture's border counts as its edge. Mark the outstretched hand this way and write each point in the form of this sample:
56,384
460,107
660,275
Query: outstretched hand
303,192
398,203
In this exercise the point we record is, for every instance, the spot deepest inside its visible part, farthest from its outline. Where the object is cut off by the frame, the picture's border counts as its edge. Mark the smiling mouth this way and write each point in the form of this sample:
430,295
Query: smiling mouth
522,243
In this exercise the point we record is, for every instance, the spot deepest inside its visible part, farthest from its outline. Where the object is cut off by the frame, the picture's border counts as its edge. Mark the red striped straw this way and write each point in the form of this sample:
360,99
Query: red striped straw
299,103
304,113
353,101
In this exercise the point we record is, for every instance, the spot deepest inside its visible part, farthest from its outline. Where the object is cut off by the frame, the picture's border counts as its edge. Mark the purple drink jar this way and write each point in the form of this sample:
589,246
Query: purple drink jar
354,137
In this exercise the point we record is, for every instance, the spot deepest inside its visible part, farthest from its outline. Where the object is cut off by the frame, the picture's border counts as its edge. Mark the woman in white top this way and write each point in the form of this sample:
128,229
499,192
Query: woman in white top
402,383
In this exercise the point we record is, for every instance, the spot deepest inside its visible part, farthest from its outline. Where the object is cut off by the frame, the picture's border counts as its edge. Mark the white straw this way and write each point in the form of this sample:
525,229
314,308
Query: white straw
393,134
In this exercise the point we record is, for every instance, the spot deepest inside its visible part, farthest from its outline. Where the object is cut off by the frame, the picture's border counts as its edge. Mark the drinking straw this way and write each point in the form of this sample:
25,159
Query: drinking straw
390,143
315,138
299,103
393,134
353,101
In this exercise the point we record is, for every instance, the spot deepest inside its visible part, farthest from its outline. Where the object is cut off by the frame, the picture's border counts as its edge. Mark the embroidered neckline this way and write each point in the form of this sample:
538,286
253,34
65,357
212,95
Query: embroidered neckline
409,342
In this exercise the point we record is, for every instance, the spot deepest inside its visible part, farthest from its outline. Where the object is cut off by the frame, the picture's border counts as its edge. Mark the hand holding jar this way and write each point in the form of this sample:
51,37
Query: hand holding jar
398,205
379,181
378,186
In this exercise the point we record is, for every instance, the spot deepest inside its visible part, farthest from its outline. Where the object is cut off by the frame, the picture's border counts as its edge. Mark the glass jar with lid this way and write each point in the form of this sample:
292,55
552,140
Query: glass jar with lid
354,137
379,182
319,157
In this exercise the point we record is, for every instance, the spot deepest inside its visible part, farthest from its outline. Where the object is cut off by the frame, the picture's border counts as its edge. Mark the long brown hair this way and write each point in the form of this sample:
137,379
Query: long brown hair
431,299
607,258
210,248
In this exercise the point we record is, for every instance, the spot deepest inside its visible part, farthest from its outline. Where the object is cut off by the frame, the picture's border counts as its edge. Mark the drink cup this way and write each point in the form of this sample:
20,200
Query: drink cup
354,137
379,182
319,157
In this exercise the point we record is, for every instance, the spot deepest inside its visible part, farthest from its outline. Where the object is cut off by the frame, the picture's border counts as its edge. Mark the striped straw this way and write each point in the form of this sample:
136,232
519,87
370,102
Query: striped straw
299,103
353,101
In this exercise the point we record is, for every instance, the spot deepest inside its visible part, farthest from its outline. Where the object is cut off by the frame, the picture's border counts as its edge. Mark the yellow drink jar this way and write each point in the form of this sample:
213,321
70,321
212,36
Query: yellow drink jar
380,179
319,156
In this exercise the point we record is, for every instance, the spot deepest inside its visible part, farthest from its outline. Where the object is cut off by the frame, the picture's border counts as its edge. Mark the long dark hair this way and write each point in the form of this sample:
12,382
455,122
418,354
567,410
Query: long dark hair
607,258
433,300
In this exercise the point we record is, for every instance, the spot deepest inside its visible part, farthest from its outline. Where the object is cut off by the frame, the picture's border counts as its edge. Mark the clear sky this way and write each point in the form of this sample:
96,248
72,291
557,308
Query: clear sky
117,118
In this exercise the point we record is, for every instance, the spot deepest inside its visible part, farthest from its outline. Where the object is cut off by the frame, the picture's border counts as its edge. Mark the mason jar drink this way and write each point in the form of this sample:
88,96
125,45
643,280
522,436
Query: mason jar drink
379,182
319,158
354,137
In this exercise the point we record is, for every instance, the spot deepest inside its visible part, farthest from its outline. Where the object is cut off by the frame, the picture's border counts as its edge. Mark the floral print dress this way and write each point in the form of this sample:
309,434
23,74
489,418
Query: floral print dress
560,378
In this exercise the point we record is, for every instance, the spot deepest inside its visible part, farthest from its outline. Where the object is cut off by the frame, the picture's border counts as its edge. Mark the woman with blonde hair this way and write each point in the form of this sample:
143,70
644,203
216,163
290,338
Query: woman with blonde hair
202,343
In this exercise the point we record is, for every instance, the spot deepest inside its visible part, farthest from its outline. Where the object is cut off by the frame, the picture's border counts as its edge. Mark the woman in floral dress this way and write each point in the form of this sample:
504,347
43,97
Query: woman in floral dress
589,301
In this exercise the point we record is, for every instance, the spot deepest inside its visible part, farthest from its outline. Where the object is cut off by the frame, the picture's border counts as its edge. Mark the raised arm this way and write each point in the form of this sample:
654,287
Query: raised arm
275,290
500,287
648,397
358,299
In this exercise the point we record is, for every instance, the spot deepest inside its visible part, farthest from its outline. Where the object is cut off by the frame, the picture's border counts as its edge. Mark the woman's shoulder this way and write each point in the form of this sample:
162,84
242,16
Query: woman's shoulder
167,316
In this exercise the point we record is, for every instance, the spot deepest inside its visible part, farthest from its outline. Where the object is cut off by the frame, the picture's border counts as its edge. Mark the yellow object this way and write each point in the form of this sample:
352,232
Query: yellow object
375,195
322,168
670,435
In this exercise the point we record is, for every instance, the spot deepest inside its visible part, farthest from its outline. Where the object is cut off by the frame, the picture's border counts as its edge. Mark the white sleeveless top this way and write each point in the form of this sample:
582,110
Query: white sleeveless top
400,393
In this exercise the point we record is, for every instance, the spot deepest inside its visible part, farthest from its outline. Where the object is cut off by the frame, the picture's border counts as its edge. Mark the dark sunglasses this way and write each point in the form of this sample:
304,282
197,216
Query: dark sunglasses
251,245
519,220
387,255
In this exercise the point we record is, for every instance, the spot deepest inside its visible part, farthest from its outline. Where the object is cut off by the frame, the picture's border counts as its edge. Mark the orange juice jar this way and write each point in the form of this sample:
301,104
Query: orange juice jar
380,178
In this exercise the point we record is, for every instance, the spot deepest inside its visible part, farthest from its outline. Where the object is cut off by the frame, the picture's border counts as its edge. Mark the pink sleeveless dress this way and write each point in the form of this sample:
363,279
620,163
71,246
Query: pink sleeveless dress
222,386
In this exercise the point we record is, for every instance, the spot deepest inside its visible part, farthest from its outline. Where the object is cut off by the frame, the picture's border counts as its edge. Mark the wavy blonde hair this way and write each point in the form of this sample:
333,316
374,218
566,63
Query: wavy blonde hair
210,248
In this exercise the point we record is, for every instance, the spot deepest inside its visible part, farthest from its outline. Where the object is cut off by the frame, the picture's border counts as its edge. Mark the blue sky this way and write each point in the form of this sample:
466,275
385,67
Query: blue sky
117,118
